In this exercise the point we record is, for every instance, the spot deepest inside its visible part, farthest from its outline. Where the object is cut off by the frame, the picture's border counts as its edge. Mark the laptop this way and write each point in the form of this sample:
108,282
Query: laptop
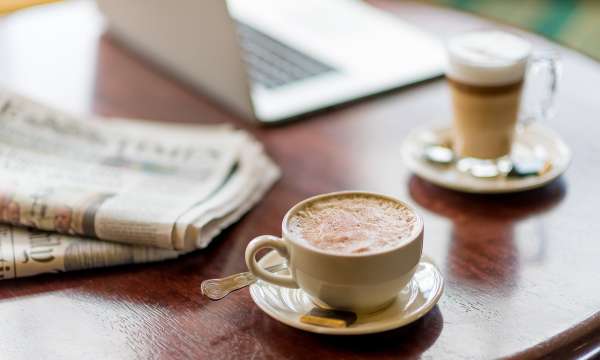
272,60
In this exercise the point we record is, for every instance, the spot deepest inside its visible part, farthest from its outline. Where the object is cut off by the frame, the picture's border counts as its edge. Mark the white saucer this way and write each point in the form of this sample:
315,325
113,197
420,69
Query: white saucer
535,140
414,301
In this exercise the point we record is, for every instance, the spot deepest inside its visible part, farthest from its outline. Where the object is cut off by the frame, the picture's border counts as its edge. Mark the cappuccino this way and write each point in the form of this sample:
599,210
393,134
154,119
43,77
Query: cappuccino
347,250
353,224
485,72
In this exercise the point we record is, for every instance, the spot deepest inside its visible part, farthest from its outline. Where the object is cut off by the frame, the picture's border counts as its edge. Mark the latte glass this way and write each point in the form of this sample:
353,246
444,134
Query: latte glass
486,72
361,283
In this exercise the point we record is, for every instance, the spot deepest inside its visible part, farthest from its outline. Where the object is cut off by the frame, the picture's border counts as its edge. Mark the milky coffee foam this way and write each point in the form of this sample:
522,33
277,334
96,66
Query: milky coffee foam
487,58
353,224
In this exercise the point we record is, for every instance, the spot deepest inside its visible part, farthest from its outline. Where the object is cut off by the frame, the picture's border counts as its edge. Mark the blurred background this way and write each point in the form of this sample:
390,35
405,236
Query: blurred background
574,23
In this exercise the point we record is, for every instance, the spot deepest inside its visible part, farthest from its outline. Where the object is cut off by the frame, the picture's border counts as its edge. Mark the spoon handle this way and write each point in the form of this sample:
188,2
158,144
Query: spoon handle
216,289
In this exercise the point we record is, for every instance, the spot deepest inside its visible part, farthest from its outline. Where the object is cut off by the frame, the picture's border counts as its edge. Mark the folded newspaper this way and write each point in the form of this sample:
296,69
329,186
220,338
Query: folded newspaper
78,193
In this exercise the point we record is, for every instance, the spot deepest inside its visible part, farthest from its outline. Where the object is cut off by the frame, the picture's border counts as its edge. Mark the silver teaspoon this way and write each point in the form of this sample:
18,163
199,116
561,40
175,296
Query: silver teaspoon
216,289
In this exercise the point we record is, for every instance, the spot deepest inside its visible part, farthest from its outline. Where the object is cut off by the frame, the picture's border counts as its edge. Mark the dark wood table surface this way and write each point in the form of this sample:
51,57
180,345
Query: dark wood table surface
522,270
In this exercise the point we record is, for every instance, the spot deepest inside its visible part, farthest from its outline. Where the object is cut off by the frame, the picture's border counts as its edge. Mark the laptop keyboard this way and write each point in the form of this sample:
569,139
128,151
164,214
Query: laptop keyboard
271,63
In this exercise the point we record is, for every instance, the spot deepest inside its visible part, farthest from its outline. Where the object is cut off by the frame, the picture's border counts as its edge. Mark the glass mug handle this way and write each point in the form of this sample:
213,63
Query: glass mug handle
543,109
268,241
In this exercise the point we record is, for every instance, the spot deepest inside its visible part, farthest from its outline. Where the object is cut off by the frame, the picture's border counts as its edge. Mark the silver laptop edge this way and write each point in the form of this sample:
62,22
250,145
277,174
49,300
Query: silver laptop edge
333,51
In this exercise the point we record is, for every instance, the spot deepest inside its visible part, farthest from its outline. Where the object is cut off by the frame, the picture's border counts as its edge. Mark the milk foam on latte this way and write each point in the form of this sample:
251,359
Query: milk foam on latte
487,58
353,224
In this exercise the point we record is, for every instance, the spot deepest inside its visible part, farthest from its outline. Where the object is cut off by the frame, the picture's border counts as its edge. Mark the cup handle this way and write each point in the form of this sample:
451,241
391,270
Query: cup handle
268,241
544,63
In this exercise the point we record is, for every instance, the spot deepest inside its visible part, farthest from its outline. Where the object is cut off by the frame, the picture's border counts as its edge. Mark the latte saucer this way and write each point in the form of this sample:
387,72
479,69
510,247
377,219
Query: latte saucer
414,301
535,141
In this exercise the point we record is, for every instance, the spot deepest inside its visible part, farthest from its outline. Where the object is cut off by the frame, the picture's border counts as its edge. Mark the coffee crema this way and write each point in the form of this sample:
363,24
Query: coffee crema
353,224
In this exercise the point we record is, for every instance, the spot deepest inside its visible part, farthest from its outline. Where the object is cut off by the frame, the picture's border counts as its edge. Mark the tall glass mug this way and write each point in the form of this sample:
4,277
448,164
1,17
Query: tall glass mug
486,71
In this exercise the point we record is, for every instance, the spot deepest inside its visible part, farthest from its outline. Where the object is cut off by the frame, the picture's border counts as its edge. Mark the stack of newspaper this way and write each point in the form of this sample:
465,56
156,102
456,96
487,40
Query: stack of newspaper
84,193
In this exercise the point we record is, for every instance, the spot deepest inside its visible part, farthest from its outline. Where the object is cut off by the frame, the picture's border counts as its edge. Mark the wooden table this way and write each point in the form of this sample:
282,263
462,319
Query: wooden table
522,270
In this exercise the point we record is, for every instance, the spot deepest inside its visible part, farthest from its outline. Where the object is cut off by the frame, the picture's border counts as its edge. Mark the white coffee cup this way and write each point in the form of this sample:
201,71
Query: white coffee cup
356,282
